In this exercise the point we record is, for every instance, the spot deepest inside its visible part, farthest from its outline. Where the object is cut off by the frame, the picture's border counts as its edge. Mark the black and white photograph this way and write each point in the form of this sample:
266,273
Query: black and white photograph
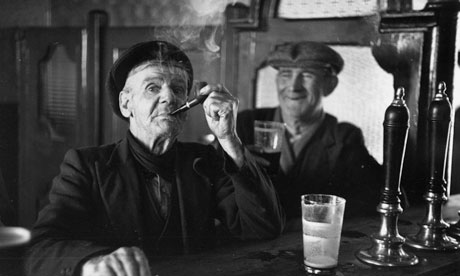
229,137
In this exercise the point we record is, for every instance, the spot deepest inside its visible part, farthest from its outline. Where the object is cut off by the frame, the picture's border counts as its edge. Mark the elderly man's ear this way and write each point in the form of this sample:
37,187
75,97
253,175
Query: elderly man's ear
124,100
330,84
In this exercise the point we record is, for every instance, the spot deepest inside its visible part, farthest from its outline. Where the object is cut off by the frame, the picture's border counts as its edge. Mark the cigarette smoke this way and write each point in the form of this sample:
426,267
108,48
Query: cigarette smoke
197,24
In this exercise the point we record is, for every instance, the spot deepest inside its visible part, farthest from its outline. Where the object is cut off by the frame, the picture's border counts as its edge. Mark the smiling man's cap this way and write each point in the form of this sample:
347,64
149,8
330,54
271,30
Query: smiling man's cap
306,54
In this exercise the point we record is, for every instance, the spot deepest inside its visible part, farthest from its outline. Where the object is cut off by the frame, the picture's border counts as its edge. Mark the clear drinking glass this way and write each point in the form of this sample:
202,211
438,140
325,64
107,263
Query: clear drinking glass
13,247
322,218
268,139
268,136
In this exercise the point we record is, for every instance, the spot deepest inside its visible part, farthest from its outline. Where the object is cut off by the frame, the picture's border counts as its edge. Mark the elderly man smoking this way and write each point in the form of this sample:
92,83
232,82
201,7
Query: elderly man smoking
114,205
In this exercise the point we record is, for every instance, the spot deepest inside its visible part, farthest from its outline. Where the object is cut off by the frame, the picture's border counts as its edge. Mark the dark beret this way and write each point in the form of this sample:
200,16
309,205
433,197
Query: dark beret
158,51
306,54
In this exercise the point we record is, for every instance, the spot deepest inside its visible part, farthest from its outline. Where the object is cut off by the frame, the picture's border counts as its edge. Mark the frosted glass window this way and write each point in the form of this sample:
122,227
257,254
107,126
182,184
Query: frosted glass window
303,9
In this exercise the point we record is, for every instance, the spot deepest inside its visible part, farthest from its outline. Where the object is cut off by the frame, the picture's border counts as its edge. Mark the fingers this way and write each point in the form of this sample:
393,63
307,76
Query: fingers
98,266
208,89
125,261
126,257
115,265
220,103
134,261
144,268
218,107
197,86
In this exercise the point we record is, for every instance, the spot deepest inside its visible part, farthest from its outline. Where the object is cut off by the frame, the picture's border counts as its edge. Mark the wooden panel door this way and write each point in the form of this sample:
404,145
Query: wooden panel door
52,108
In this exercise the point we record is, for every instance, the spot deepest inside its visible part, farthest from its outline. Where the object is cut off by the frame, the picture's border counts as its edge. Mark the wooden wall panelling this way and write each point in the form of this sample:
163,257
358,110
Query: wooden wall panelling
93,38
238,46
9,115
41,143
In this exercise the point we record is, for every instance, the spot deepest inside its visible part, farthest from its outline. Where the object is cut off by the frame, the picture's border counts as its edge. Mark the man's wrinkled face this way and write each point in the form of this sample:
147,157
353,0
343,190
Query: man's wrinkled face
153,92
300,91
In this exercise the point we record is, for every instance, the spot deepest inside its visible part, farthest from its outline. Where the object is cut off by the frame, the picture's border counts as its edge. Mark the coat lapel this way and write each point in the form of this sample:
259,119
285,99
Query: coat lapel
120,193
194,189
180,187
319,155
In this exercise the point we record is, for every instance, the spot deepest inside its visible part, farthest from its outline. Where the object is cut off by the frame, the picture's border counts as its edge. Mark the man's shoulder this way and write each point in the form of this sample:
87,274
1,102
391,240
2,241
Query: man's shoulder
342,130
100,149
93,153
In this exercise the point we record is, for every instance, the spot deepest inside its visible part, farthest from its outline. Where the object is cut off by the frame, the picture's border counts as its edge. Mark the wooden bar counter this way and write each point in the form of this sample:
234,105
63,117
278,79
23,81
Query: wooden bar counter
284,255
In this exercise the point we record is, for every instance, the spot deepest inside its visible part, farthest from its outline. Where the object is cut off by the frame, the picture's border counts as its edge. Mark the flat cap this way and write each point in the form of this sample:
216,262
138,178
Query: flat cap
159,51
306,54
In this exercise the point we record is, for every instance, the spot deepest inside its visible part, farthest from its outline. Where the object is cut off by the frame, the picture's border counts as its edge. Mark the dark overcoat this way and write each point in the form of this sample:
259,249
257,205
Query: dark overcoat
96,206
334,161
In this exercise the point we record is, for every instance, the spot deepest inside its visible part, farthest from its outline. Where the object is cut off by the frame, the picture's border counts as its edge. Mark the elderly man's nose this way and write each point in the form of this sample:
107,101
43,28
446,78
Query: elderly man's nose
166,93
297,82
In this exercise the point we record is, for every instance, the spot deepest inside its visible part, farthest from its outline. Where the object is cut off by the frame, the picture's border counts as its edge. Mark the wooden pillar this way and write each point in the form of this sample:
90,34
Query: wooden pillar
97,25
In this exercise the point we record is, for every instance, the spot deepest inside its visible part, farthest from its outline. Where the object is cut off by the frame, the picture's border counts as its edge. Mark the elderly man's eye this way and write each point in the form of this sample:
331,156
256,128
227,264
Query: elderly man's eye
178,89
153,88
284,78
285,75
308,75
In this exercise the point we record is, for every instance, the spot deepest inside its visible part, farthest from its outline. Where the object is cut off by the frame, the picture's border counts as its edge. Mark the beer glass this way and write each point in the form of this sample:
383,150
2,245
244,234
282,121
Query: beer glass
268,139
13,246
268,136
322,217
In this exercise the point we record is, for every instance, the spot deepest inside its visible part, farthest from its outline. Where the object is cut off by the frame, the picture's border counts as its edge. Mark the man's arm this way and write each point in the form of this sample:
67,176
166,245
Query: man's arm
247,202
221,109
66,232
361,174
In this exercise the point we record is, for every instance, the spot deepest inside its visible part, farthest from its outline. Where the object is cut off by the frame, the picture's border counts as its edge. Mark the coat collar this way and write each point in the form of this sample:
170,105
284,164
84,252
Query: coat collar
327,137
120,190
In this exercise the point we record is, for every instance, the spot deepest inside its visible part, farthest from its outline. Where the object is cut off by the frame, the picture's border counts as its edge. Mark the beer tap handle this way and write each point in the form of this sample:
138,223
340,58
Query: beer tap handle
395,130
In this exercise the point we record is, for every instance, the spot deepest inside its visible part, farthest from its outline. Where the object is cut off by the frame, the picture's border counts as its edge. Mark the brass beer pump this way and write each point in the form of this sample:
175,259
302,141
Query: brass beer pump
432,232
386,249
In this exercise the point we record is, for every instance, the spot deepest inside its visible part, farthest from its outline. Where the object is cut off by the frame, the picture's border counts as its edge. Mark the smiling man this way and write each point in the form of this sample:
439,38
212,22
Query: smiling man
113,206
319,154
